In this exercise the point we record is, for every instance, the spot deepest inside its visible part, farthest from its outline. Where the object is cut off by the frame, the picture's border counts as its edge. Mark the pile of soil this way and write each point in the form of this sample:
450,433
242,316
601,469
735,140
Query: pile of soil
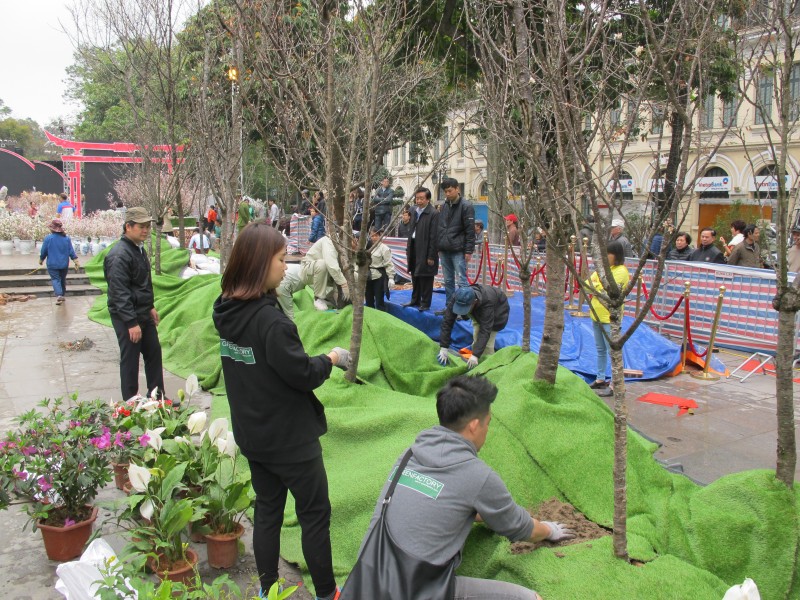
566,514
78,345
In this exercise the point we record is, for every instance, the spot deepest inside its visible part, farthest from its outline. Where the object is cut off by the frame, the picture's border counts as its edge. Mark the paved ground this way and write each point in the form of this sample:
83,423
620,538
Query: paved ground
732,430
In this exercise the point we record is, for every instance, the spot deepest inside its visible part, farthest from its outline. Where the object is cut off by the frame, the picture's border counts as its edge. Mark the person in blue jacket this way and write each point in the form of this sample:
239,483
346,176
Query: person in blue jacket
317,225
57,249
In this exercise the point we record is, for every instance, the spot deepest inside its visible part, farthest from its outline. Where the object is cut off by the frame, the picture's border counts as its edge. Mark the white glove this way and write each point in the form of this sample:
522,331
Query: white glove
345,292
472,362
558,532
344,358
444,357
391,284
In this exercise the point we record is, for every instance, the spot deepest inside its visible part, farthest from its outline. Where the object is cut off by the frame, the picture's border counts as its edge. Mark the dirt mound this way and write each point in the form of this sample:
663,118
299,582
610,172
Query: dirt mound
564,513
78,345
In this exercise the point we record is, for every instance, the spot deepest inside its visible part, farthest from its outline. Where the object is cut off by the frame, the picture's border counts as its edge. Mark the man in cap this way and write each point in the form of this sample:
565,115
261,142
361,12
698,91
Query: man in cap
130,304
488,308
512,229
617,235
793,256
57,249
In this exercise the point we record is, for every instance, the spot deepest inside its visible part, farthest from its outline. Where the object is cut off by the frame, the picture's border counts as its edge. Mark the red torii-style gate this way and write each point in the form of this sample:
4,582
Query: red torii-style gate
77,148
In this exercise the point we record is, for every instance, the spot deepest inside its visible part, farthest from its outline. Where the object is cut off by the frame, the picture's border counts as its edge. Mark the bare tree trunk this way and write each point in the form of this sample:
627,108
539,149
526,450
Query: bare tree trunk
525,281
620,533
357,296
553,328
225,238
787,450
157,252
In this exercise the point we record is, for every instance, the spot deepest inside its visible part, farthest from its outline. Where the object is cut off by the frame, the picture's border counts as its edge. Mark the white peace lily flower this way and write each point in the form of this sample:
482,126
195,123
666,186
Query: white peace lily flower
139,477
149,406
230,445
155,440
221,442
192,385
154,394
197,422
146,509
217,429
182,440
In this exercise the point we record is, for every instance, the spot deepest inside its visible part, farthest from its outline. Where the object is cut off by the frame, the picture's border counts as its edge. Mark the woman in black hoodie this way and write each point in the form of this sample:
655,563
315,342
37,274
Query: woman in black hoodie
277,420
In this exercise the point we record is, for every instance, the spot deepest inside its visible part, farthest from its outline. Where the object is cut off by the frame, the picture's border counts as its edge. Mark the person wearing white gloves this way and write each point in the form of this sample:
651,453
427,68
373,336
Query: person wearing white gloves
381,272
321,271
445,488
488,308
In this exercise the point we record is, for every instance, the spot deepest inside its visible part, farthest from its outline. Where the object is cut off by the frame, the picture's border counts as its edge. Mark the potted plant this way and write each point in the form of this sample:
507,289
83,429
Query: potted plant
26,232
157,515
7,233
51,463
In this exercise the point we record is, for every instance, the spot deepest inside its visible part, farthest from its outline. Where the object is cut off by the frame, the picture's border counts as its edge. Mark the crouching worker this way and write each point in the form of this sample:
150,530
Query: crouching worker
443,489
277,419
321,271
488,308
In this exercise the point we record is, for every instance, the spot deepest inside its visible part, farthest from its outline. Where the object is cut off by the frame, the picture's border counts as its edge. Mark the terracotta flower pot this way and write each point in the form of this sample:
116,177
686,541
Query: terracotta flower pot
65,543
196,536
223,548
181,571
120,474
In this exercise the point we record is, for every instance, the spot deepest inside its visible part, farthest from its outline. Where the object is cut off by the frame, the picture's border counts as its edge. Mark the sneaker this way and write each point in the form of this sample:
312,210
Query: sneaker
60,300
335,595
599,384
423,308
320,304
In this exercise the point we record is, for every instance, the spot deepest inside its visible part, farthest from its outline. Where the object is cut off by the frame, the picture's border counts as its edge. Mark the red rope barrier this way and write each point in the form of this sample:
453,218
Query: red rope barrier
656,315
480,266
689,341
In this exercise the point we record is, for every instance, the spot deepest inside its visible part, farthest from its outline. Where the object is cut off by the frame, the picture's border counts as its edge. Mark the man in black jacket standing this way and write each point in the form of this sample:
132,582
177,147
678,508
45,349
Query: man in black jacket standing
422,250
382,203
130,304
456,237
707,252
488,307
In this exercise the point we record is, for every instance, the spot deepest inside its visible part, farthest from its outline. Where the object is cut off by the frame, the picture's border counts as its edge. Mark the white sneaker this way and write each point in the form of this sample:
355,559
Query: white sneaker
320,304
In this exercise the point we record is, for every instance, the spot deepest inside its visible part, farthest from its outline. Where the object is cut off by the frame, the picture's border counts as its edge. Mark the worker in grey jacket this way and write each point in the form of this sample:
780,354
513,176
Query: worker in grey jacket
446,488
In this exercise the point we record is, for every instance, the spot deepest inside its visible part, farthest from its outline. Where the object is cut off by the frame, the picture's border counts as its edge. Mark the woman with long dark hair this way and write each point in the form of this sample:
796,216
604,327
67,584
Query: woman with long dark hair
277,420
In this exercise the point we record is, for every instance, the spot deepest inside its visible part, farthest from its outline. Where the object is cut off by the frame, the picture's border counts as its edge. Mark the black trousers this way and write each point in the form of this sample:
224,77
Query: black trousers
308,483
150,349
423,291
375,293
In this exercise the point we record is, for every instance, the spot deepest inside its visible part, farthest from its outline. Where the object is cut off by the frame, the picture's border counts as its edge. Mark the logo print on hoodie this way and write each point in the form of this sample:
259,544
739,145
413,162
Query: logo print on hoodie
237,353
419,482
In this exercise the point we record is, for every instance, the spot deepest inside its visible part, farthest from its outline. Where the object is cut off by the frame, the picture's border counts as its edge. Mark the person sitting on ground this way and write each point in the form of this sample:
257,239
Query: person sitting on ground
291,284
601,318
737,237
512,229
381,272
488,307
793,255
683,247
317,225
320,270
199,242
57,249
748,253
707,252
432,522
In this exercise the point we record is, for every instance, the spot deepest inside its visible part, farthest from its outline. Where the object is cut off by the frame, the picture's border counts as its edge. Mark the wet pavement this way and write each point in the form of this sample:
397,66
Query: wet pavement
733,429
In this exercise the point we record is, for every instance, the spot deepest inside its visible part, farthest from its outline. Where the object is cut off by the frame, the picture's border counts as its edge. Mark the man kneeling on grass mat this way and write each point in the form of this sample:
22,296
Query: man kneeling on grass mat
443,490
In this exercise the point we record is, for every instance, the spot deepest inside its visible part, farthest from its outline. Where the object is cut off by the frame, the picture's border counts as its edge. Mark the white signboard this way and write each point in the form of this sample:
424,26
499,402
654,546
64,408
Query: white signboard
768,183
713,184
620,185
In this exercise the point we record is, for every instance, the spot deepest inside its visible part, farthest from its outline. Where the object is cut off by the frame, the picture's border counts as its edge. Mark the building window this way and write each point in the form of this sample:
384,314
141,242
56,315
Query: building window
484,193
403,154
461,140
715,172
794,92
436,150
481,145
616,114
764,99
446,141
707,116
729,108
657,127
587,122
633,119
395,154
768,171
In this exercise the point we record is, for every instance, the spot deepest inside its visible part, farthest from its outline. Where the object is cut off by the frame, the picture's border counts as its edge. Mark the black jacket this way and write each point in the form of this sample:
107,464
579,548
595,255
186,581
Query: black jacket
382,201
422,243
270,381
685,254
490,312
708,254
130,289
404,229
457,227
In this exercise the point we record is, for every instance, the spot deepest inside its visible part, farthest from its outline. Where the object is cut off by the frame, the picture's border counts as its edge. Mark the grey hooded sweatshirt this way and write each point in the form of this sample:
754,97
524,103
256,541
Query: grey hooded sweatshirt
443,487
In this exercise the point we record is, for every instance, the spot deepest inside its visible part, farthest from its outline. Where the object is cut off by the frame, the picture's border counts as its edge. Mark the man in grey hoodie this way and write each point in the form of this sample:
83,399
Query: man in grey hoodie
446,488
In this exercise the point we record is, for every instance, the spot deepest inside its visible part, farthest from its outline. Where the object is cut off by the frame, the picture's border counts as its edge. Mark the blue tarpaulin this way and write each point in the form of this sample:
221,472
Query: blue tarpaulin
646,351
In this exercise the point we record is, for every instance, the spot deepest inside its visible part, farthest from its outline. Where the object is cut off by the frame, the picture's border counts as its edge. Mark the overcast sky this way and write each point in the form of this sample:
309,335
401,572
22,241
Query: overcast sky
36,54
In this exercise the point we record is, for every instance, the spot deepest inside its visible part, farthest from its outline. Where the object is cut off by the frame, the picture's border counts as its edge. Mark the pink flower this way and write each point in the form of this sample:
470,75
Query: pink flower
20,474
143,439
44,483
69,522
28,450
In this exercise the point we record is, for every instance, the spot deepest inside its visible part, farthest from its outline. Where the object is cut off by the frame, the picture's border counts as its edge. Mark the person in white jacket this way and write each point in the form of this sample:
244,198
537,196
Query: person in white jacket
381,272
321,271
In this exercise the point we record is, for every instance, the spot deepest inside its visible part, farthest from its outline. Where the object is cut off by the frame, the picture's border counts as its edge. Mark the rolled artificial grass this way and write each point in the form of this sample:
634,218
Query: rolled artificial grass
544,441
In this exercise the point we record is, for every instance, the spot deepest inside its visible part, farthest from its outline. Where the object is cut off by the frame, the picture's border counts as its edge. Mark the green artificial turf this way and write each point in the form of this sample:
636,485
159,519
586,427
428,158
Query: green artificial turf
544,441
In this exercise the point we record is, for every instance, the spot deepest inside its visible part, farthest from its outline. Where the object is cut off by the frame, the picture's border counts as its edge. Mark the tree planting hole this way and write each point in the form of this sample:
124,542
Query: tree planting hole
566,514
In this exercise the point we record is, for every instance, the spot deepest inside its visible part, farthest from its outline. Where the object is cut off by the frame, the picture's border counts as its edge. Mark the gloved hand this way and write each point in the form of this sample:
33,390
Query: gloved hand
344,358
345,292
472,362
77,265
558,532
444,357
41,262
392,284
